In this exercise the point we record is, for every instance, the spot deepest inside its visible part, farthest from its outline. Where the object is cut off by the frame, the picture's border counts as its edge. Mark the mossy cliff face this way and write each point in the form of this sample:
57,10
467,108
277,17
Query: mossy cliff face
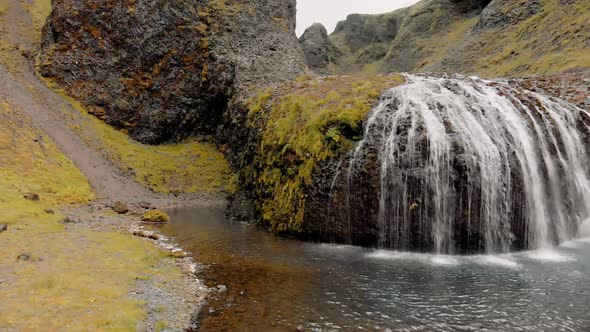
165,70
487,38
297,129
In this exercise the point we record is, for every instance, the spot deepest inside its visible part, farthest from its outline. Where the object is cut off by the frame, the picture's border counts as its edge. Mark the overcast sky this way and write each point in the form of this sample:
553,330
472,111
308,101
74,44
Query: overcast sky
329,12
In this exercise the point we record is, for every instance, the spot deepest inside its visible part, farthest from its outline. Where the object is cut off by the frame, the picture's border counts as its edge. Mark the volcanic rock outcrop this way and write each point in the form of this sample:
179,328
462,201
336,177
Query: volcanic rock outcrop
165,70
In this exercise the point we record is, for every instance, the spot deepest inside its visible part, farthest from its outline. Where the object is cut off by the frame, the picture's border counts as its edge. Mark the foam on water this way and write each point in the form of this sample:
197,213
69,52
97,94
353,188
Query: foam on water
496,260
442,260
392,255
549,255
574,244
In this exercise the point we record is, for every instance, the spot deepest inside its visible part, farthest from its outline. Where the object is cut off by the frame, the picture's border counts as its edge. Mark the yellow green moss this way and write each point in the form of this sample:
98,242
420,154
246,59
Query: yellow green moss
30,162
77,279
160,326
155,216
40,10
187,167
304,123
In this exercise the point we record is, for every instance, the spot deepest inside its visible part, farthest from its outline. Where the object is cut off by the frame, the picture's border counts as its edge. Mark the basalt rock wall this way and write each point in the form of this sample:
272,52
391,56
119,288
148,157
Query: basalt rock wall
165,70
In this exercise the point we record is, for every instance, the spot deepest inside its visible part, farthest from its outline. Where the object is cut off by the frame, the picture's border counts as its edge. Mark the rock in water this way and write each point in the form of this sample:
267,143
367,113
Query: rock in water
146,234
155,216
166,69
121,208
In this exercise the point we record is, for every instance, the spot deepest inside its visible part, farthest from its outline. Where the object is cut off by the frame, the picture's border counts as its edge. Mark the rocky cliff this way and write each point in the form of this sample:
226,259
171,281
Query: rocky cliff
487,38
165,70
320,51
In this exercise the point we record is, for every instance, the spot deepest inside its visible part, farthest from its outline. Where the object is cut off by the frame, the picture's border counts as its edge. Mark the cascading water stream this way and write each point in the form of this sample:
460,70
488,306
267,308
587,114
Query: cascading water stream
471,165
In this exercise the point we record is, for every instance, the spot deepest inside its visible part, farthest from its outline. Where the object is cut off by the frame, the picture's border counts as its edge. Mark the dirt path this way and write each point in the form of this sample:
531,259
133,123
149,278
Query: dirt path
45,108
20,87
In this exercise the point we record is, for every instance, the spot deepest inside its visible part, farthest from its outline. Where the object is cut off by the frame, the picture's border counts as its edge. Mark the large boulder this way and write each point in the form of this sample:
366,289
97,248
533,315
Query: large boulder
164,70
320,52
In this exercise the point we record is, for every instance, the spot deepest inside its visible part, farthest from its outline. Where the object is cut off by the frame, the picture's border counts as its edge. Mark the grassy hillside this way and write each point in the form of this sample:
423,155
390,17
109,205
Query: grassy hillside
75,279
507,38
553,40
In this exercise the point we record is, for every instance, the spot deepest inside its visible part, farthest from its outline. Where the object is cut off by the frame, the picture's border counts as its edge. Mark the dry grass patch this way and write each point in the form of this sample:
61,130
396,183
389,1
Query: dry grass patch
75,279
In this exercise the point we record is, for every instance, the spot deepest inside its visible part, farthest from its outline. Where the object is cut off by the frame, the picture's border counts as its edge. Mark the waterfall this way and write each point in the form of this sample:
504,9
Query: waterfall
465,162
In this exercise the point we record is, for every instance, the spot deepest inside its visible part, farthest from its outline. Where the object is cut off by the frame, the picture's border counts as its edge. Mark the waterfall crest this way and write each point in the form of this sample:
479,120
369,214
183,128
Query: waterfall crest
467,165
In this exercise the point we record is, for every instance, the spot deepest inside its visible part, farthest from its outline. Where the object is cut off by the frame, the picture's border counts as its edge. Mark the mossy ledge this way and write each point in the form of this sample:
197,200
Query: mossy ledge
298,126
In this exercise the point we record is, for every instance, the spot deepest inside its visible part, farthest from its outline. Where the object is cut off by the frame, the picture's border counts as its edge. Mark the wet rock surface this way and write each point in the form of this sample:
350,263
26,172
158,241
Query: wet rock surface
343,203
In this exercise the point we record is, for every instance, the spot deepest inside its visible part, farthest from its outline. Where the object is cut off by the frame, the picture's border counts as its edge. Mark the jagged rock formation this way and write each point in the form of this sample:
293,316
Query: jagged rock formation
319,50
165,70
488,38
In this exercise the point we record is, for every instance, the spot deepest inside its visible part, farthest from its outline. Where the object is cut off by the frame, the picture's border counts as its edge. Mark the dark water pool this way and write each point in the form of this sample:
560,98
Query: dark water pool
280,284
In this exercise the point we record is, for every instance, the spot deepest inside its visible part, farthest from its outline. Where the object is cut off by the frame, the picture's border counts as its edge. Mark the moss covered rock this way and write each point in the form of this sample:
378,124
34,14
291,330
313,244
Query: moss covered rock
156,216
294,130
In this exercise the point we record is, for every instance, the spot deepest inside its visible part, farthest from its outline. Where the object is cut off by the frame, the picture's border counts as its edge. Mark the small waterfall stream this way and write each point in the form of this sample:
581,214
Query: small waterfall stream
473,165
